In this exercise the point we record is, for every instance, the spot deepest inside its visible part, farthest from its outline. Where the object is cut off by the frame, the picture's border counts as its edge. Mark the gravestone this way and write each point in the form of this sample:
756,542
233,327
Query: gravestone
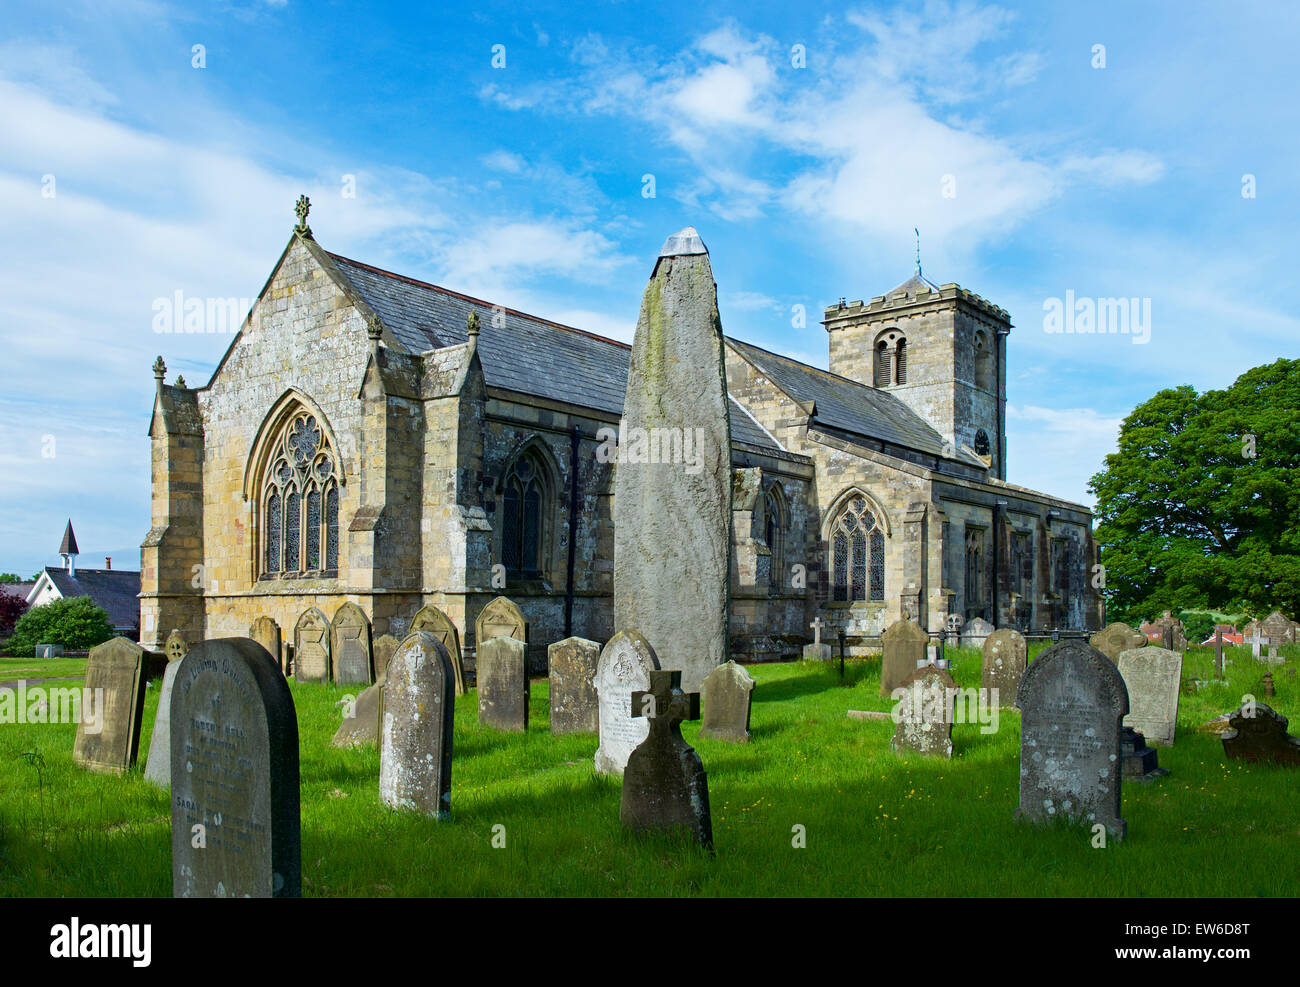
503,687
350,645
266,632
902,649
624,667
1005,657
384,647
158,766
1138,761
234,749
1117,637
362,715
728,695
115,684
817,651
673,484
500,618
175,648
925,713
1152,676
572,664
975,633
1175,637
311,647
416,737
437,623
1261,737
664,785
1278,628
1072,701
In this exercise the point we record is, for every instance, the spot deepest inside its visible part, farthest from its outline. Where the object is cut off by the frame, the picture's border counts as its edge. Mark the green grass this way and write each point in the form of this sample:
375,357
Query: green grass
876,824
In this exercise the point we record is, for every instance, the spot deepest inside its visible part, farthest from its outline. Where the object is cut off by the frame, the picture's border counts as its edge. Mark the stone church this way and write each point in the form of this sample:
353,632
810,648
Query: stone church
373,439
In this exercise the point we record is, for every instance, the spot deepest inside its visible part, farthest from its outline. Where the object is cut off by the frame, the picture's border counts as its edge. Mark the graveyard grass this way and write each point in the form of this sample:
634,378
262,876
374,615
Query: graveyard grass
876,824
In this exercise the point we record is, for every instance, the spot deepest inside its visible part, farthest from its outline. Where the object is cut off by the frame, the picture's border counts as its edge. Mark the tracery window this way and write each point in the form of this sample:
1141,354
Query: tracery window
774,535
975,588
857,554
523,517
300,503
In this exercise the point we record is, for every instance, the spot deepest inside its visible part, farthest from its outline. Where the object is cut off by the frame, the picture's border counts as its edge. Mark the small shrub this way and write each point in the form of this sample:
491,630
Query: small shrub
76,624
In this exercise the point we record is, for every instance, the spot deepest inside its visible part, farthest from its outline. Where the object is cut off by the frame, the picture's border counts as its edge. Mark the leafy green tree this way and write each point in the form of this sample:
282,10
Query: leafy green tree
1198,626
9,577
75,623
1200,506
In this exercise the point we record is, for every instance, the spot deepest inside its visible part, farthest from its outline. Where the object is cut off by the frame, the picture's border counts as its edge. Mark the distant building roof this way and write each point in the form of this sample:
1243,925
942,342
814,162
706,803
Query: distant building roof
22,589
116,590
69,544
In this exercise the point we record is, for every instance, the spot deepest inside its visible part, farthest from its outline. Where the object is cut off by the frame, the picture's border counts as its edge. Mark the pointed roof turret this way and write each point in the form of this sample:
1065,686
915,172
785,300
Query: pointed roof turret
69,543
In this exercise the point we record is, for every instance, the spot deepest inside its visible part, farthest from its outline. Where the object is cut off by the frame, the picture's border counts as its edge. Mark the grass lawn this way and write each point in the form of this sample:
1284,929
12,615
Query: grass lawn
875,823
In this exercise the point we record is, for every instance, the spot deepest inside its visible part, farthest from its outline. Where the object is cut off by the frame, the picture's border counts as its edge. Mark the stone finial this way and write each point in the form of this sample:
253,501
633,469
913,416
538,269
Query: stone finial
302,208
180,380
472,323
159,369
374,329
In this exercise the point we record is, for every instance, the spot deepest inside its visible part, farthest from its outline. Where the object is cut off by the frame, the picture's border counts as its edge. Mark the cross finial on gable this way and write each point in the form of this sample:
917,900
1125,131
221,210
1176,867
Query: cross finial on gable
302,208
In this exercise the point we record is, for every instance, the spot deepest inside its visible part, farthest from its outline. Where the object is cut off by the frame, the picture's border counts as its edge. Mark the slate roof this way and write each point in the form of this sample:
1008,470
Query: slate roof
116,590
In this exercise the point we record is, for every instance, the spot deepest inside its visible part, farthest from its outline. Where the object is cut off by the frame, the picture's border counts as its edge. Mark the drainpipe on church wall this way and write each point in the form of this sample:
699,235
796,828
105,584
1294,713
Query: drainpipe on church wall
574,439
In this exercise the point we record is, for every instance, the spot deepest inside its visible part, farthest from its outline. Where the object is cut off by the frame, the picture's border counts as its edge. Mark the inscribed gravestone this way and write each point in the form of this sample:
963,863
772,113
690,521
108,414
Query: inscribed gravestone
500,618
1260,737
416,737
925,713
1278,628
572,663
727,694
1072,701
673,484
902,647
158,766
115,682
176,648
361,718
1005,657
384,647
1117,637
1152,676
437,623
625,665
350,645
311,647
266,632
975,633
234,750
501,666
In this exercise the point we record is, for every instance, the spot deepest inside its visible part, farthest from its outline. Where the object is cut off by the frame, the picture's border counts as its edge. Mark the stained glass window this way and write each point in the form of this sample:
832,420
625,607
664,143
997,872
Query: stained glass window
858,554
294,533
523,517
313,529
877,565
274,520
332,529
841,566
774,535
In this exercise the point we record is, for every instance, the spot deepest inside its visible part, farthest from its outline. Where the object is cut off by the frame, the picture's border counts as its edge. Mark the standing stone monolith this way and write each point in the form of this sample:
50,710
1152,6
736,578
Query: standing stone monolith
1005,657
624,667
1117,637
728,695
1152,676
108,733
437,623
235,805
673,485
266,632
158,766
1072,703
572,664
311,647
664,785
925,713
503,687
416,736
902,648
350,646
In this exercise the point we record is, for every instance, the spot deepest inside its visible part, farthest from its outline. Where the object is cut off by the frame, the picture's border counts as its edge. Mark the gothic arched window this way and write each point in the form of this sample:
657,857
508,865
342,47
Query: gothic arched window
524,506
857,554
889,361
300,502
774,535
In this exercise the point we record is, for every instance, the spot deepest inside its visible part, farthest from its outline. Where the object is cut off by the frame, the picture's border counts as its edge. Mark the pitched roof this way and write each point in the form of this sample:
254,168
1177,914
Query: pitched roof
116,590
69,544
913,285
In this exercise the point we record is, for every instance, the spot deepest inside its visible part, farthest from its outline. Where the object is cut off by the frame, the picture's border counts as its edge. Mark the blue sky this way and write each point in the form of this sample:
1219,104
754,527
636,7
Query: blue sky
525,184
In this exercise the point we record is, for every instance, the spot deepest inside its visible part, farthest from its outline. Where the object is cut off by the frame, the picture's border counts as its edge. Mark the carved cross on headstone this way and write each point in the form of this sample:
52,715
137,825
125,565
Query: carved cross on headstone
665,705
1218,652
1255,643
817,626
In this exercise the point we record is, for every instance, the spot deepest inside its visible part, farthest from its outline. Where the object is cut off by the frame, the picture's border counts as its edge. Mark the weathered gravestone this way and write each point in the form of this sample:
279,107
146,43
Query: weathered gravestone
416,738
437,623
624,667
234,750
728,695
176,647
925,713
501,666
311,647
1072,701
362,715
572,663
384,647
975,633
500,618
1173,633
1278,628
817,651
108,733
1117,637
350,645
664,785
158,766
1152,676
902,649
673,484
1258,733
266,632
1005,657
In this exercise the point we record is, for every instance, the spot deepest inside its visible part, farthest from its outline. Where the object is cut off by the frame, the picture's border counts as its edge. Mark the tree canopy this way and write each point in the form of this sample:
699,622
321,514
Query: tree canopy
75,623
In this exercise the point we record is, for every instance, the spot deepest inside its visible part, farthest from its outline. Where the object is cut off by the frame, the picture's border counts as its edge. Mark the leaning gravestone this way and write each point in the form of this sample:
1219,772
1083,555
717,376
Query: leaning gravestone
1005,657
572,664
503,687
1117,637
1072,703
727,694
437,623
158,766
664,786
176,648
385,645
1152,676
1260,737
115,683
311,647
925,713
625,665
975,633
416,738
350,645
361,718
266,632
234,748
672,503
902,649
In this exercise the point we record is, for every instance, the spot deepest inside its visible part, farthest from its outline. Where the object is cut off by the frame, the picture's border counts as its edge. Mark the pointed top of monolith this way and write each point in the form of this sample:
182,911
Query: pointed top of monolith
684,243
